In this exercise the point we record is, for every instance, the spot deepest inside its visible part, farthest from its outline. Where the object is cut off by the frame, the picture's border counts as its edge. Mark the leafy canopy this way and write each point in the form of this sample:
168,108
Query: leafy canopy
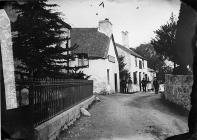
124,73
164,41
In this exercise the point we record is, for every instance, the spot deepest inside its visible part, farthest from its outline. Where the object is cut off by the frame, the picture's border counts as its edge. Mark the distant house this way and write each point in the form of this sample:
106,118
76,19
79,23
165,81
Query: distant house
135,64
99,44
151,74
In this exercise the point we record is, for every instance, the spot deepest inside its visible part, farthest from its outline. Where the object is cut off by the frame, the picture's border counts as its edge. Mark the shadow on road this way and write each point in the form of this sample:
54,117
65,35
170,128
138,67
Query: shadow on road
184,136
169,107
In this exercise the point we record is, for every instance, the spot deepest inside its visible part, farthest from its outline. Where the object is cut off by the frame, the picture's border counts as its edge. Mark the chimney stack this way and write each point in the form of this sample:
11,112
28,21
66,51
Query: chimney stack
105,26
125,38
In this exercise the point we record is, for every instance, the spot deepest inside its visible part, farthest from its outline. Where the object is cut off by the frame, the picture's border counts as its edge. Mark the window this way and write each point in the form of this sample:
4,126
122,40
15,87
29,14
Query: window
143,63
136,61
146,77
83,60
108,76
135,77
140,64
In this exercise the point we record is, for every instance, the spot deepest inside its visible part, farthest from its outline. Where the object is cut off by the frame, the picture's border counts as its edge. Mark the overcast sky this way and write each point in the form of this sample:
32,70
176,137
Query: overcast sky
139,17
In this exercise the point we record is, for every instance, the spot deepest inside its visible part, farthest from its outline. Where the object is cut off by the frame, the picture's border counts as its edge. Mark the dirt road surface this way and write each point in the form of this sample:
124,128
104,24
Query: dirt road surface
139,116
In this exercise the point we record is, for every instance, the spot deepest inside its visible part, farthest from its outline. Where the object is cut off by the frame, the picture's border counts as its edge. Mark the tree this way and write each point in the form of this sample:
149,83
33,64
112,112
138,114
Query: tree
184,36
38,37
164,40
165,44
124,73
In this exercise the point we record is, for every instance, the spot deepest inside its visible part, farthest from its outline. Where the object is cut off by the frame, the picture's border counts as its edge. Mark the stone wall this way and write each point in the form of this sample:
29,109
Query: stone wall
51,129
7,60
178,89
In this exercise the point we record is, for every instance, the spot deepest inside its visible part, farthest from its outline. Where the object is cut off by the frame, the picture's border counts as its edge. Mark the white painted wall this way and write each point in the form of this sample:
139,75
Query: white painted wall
151,76
98,71
131,67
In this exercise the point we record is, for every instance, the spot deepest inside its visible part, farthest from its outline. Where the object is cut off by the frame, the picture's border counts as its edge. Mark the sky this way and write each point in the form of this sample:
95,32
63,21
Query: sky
139,17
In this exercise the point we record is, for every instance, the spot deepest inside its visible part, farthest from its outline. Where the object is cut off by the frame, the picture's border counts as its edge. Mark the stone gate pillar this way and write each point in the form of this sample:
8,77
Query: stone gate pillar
7,60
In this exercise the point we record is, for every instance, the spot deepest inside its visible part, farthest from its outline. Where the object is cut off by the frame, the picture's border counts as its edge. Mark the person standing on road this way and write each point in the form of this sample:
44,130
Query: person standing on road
156,85
123,85
144,83
129,85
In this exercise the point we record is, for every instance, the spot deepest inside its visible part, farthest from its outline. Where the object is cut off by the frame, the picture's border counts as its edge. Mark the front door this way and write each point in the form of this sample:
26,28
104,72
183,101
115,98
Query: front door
140,80
115,79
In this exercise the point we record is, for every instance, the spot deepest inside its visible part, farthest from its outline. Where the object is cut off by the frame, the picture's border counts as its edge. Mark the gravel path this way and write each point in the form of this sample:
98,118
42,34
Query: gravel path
139,116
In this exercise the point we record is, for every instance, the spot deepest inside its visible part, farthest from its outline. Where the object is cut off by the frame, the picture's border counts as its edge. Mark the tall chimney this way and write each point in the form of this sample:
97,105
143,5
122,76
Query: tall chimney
105,26
125,38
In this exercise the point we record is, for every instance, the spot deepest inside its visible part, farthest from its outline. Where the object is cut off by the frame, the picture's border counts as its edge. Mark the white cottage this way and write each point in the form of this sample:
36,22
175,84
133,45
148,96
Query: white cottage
135,64
151,75
99,44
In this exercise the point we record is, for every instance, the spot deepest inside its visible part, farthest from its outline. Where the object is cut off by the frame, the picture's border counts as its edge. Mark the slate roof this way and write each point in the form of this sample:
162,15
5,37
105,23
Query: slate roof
129,51
90,41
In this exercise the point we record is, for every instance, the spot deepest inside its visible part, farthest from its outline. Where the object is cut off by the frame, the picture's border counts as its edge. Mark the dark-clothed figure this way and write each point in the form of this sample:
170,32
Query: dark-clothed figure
140,84
129,85
156,85
144,83
124,86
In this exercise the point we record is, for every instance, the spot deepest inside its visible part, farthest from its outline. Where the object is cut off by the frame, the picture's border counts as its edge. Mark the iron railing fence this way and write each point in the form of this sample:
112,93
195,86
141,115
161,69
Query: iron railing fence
50,97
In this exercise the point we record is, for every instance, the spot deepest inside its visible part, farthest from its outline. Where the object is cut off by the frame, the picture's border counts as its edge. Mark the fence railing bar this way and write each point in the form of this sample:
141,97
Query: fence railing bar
50,97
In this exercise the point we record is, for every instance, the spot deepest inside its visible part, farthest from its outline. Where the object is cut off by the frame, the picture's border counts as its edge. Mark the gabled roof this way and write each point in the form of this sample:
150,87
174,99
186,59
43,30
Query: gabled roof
129,51
90,41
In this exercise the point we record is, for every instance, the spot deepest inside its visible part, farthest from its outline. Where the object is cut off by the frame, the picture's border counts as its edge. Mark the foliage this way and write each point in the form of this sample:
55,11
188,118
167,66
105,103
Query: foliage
62,75
40,41
165,44
124,73
164,41
38,37
184,35
79,75
181,70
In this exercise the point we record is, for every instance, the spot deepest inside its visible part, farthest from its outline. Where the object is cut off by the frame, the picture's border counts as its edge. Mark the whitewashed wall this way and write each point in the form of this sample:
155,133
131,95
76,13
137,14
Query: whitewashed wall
131,66
98,71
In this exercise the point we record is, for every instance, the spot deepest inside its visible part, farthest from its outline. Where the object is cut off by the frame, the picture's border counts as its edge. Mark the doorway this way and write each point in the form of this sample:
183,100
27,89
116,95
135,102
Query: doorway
115,80
140,81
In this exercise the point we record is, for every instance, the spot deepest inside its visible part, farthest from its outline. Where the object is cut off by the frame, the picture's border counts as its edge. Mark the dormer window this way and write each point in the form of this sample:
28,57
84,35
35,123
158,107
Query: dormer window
143,63
140,64
83,60
136,61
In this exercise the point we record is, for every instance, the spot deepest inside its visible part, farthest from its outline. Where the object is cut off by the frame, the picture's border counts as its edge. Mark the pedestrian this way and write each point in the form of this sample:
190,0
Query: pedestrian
25,96
130,85
156,85
144,84
140,84
123,85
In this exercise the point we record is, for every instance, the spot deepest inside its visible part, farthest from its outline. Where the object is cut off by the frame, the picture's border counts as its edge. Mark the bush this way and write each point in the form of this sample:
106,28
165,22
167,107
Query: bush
181,70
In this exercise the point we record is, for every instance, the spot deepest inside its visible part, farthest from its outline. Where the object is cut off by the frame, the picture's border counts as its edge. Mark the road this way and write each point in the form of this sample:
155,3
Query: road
139,116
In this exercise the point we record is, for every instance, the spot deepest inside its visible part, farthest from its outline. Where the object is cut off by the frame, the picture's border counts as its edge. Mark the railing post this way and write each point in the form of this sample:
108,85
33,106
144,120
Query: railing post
31,114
